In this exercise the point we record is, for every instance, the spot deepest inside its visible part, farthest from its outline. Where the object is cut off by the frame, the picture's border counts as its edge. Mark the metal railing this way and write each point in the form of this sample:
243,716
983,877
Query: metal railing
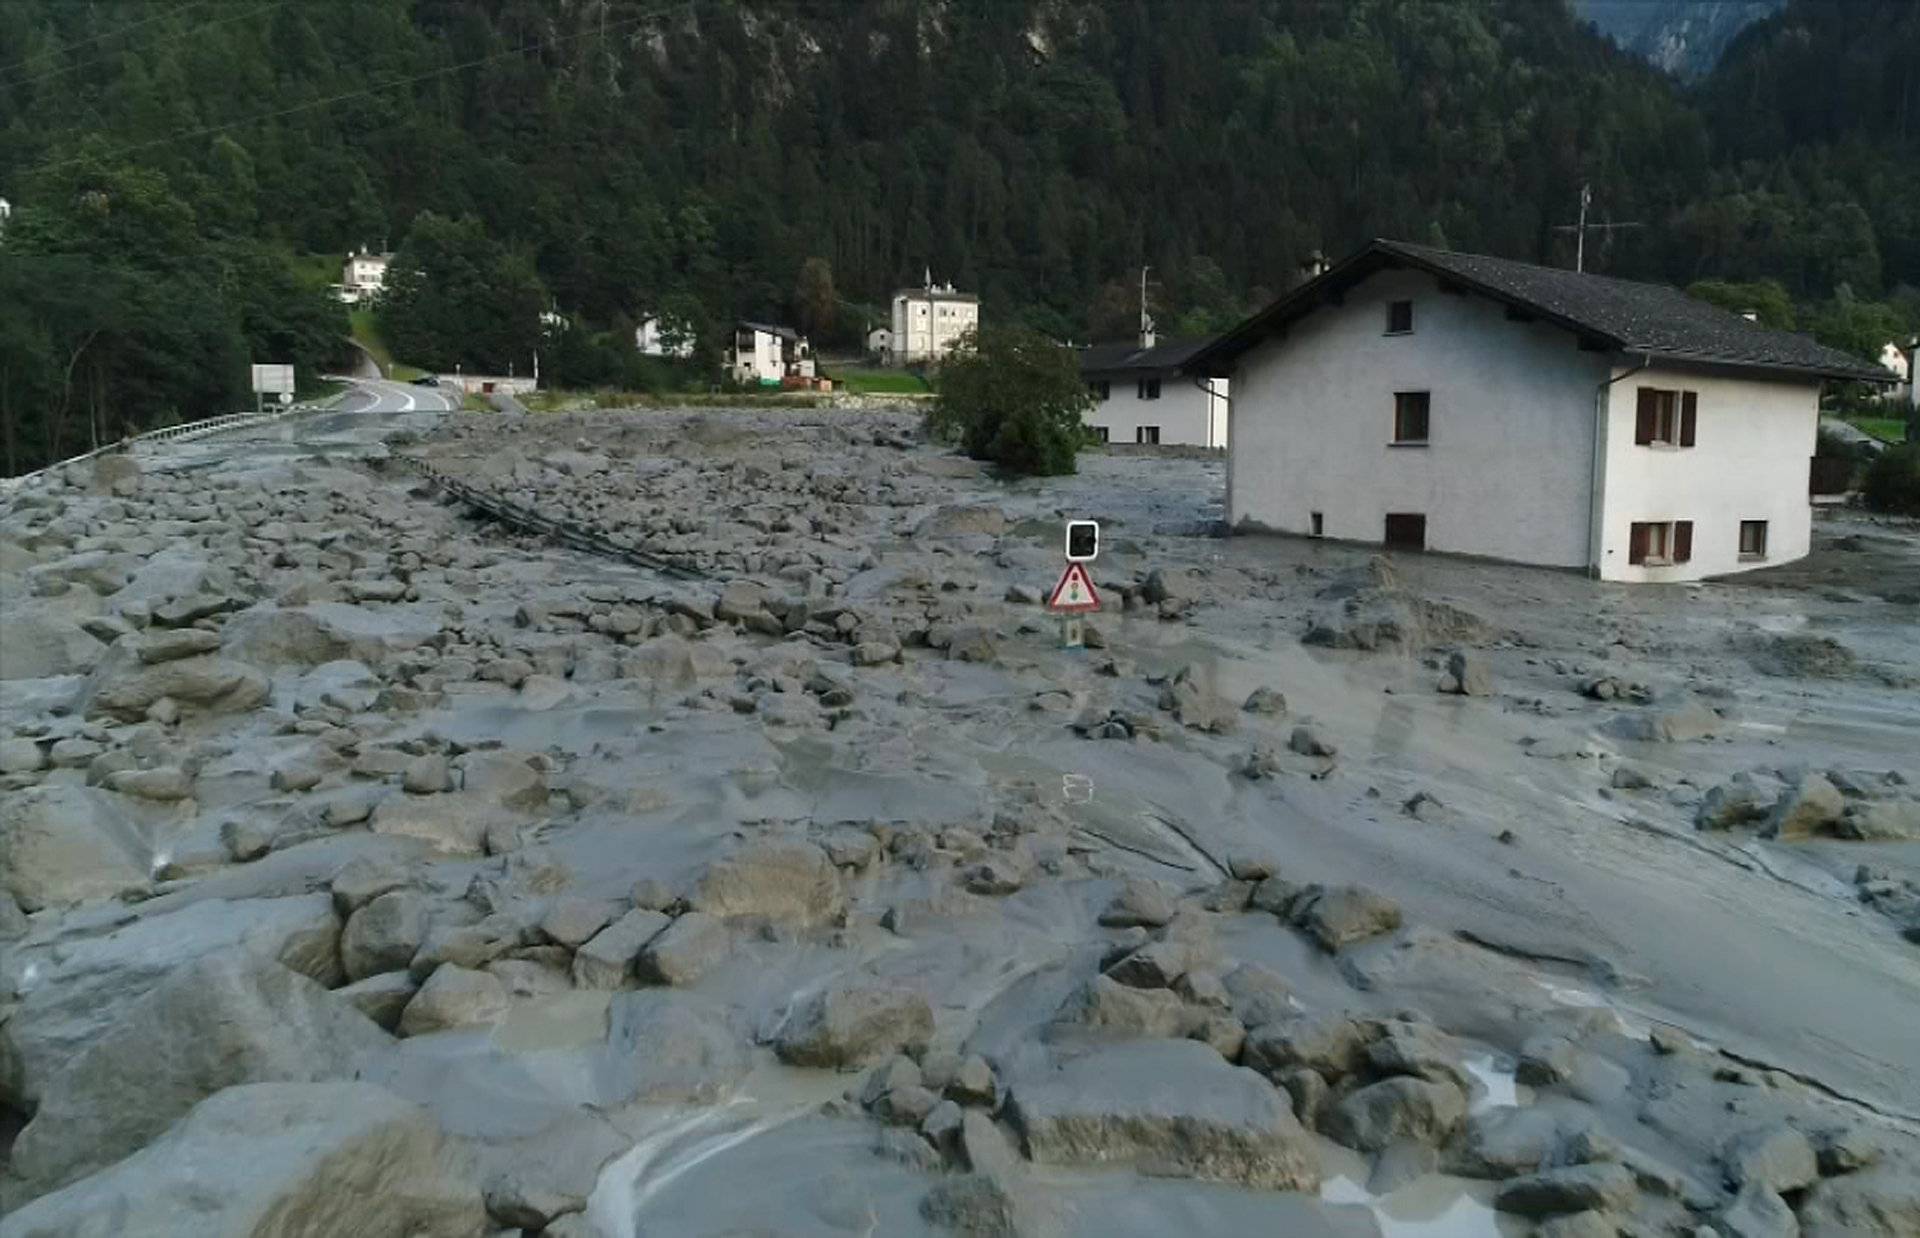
566,532
186,431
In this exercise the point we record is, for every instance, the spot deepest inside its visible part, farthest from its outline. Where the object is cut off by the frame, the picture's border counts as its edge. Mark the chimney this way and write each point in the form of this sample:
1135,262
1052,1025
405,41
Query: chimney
1312,266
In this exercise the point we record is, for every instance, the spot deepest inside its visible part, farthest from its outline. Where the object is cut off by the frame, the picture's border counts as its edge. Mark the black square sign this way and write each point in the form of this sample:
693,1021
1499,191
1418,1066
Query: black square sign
1083,541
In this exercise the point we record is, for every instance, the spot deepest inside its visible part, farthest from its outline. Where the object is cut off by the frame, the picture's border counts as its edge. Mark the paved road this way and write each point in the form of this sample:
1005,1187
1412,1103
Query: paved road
379,395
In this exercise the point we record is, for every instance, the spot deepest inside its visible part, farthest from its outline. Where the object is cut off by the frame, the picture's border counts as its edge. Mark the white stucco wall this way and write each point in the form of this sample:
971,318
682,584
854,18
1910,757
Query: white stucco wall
1753,440
763,363
926,328
1186,414
1506,472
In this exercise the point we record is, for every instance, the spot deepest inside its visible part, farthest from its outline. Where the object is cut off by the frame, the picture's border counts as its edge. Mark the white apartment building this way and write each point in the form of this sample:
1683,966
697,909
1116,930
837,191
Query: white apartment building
766,355
1142,394
928,321
1431,400
364,275
658,336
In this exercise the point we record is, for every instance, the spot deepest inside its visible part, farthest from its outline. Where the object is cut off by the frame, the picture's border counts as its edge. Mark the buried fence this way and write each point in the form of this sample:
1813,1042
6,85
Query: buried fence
184,432
566,532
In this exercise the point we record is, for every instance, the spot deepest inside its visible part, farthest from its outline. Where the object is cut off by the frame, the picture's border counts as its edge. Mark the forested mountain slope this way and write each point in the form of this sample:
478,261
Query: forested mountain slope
1684,37
623,154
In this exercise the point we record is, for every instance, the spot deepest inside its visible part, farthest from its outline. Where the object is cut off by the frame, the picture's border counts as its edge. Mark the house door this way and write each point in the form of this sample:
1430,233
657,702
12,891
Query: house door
1406,531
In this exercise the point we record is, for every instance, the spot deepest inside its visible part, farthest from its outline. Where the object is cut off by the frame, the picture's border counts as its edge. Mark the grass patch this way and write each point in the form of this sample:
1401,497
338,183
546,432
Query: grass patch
549,401
366,333
317,270
1886,429
882,382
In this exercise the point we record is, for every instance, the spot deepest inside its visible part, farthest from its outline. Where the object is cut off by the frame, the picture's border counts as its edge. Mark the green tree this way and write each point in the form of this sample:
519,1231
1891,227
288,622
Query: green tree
814,302
1765,297
455,296
1013,397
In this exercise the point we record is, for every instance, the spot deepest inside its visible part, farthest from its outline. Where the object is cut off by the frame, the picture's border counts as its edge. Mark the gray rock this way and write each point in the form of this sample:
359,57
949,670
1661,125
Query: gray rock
572,921
1469,675
1737,801
1169,1107
319,1158
1882,820
1338,917
1402,1108
1333,1046
381,998
1264,700
222,1020
1678,723
973,1083
1757,1212
1844,1149
685,950
1506,1141
1883,1202
504,778
1811,806
1257,994
170,645
1196,707
42,643
1578,1225
21,756
670,1047
61,843
1309,742
1106,1008
212,684
1138,902
1156,965
790,883
1571,1188
427,774
384,935
606,961
359,881
848,1024
454,997
974,1205
457,822
1777,1157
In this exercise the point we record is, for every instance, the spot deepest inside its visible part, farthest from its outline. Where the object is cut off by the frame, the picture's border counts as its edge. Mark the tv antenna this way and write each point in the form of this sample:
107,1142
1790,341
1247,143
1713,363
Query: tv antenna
1581,229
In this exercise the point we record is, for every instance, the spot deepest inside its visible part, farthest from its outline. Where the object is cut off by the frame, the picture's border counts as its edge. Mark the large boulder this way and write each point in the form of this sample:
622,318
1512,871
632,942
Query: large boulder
1568,1188
456,822
454,997
1340,916
273,1160
329,632
685,949
1394,1110
507,779
666,1047
1809,807
124,687
41,643
851,1024
385,934
61,843
789,882
1167,1107
219,1021
1883,1202
86,985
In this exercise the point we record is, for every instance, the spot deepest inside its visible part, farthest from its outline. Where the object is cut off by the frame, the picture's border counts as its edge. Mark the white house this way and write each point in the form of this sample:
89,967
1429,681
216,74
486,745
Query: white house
664,336
880,344
1142,394
1900,361
1427,399
929,321
363,276
769,356
6,213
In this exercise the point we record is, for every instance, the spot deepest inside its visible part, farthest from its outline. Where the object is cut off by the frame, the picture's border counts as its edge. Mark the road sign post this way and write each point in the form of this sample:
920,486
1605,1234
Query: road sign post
1072,597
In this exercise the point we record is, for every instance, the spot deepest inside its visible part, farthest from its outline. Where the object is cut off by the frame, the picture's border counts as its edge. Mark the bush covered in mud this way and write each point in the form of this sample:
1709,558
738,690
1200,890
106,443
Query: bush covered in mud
1893,481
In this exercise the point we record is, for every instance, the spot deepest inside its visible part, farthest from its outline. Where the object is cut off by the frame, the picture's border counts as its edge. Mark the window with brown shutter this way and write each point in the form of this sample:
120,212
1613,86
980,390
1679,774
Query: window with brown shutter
1657,543
1682,541
1644,416
1664,417
1637,542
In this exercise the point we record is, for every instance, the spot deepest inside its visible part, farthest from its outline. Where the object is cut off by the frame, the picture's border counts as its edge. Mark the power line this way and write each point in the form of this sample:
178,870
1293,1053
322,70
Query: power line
363,92
191,32
60,51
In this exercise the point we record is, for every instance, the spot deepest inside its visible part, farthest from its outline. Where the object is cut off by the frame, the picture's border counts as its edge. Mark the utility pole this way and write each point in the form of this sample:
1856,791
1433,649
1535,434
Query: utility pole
1146,319
1581,229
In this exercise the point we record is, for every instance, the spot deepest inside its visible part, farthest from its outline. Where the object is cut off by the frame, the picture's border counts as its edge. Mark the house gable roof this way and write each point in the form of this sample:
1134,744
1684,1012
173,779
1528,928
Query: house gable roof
1130,358
1615,314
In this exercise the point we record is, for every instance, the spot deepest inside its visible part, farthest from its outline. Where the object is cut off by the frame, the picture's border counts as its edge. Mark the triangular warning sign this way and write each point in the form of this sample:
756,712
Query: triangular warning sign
1075,590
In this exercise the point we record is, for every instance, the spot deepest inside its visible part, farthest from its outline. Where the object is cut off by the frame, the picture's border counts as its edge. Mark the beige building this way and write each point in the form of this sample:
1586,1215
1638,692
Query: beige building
928,321
363,276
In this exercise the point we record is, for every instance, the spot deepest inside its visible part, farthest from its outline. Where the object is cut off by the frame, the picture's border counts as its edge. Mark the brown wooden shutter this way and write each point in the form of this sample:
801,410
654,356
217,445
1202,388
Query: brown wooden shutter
1689,405
1645,415
1682,541
1637,544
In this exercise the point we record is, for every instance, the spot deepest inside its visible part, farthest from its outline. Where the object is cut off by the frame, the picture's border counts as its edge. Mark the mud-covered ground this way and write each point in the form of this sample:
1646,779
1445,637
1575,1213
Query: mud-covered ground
376,869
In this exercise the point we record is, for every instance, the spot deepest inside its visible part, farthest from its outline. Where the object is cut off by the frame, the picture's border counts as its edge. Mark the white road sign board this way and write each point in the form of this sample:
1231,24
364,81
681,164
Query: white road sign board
273,379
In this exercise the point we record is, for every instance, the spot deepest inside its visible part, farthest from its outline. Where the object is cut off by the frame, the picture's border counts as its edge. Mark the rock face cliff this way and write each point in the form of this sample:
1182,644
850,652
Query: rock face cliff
1684,37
